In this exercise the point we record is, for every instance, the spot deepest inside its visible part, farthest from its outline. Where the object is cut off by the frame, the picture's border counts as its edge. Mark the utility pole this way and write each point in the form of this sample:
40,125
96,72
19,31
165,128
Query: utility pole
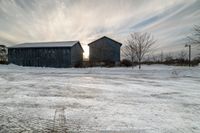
161,57
187,45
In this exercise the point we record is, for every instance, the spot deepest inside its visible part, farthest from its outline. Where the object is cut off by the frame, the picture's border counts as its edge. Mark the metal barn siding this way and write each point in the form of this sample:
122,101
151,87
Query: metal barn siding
76,55
50,56
104,49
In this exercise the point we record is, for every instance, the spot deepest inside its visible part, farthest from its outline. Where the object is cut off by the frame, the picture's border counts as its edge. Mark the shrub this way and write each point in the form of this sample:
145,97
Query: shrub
126,63
78,65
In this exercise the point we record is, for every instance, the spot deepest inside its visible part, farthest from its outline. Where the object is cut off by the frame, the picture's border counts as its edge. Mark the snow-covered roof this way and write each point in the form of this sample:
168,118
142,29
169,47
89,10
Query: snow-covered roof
46,44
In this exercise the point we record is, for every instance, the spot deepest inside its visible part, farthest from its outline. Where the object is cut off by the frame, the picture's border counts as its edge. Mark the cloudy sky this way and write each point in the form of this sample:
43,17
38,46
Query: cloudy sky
169,21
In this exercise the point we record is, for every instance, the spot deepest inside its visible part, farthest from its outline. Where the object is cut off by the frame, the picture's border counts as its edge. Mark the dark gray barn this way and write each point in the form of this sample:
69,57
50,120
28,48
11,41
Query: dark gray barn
104,50
46,54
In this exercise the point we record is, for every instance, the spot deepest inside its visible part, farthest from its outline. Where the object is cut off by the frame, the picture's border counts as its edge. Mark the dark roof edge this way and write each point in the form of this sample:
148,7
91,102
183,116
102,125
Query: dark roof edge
107,38
79,45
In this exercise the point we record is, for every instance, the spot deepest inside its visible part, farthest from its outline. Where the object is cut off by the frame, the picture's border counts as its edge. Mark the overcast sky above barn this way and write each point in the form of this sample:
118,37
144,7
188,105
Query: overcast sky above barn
170,21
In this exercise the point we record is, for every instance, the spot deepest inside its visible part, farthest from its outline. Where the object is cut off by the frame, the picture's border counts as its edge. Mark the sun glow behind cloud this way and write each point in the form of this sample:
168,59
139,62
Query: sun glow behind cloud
61,20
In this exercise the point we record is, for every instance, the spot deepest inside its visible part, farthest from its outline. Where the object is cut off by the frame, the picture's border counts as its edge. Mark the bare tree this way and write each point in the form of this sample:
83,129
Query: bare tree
155,58
129,53
161,56
194,38
147,59
169,58
182,55
139,44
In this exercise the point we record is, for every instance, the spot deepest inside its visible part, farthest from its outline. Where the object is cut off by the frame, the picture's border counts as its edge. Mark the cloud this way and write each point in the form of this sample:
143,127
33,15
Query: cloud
55,20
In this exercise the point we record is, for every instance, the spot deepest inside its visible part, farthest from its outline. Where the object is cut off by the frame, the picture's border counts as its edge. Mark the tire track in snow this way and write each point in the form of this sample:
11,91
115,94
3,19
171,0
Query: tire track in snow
59,121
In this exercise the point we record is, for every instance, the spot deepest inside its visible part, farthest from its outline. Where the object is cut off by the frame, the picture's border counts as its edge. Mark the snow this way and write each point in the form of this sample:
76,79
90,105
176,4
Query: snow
46,44
155,99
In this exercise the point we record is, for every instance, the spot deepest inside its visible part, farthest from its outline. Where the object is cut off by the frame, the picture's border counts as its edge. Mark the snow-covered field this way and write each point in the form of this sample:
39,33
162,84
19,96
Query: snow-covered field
156,99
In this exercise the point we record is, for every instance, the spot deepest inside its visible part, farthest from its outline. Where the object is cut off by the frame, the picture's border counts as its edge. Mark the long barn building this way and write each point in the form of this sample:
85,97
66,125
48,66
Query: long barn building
47,54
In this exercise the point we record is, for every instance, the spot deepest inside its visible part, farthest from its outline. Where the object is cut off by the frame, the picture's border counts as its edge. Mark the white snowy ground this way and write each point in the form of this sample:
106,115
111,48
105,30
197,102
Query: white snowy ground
156,99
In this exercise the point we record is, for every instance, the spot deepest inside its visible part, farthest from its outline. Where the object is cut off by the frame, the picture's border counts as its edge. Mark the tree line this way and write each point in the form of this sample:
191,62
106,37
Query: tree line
138,47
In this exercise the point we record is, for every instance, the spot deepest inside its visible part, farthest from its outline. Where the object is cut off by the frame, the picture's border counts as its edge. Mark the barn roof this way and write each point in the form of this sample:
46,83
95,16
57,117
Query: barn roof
105,37
46,44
